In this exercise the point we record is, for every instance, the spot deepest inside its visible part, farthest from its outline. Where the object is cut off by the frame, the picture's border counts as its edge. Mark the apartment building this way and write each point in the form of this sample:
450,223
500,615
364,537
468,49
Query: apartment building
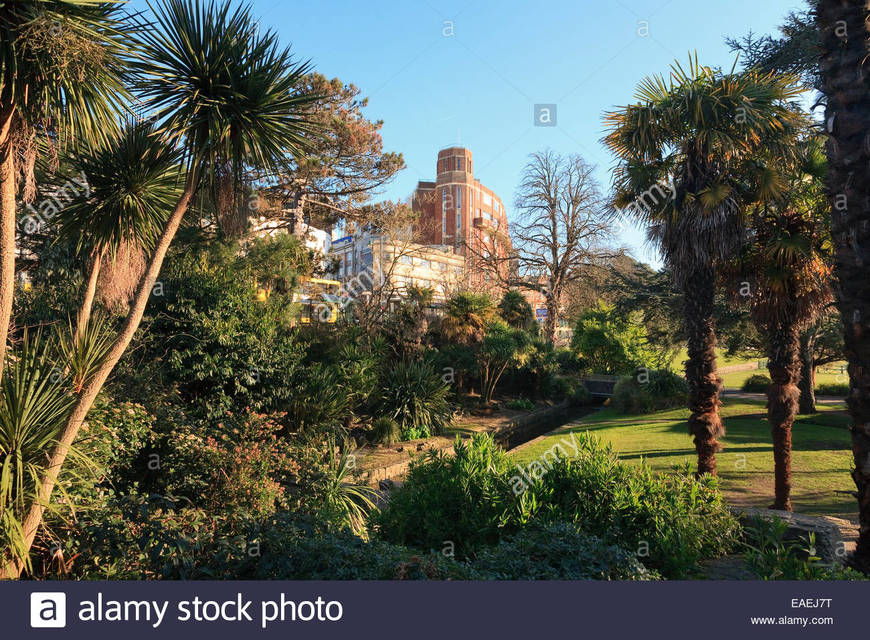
457,210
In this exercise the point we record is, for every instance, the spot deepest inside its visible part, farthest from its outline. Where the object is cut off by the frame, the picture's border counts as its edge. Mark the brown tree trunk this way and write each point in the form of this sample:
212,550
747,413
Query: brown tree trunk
93,275
782,406
552,318
843,26
7,228
807,382
705,423
12,567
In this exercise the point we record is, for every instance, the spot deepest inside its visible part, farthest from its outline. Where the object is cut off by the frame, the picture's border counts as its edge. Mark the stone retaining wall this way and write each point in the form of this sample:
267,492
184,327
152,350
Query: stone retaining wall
515,432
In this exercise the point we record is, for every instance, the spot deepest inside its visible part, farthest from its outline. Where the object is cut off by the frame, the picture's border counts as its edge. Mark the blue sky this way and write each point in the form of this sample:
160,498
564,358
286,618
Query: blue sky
440,72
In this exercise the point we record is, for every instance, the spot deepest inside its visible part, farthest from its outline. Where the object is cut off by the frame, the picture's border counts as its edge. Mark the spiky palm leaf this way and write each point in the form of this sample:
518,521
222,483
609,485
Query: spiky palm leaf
133,182
34,403
352,502
62,66
222,88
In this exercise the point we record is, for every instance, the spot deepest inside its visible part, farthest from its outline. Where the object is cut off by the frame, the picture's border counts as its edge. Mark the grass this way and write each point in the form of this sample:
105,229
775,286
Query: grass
829,374
821,458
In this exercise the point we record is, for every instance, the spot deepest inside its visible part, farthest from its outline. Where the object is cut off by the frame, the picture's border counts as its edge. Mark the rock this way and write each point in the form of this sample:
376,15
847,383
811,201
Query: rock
835,537
386,485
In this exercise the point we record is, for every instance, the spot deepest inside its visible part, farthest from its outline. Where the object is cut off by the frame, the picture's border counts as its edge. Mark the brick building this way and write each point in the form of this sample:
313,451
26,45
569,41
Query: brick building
457,210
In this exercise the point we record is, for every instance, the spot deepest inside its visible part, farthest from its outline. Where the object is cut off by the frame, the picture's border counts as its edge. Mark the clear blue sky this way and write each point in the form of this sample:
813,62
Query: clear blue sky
478,85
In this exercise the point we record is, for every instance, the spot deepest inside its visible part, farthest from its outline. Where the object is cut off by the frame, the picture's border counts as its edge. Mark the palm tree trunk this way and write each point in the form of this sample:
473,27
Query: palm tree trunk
782,405
93,275
704,383
843,27
807,383
12,567
7,228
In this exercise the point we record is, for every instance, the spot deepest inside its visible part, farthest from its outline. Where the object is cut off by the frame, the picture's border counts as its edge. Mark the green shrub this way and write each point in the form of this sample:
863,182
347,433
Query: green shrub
671,521
559,388
414,395
319,400
459,499
239,464
569,361
649,391
521,404
220,348
556,552
385,430
581,397
476,499
772,557
137,537
756,383
833,389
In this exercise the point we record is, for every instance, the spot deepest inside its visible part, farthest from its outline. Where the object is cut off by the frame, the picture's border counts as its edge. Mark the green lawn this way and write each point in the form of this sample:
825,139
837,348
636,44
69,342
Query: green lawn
829,374
821,458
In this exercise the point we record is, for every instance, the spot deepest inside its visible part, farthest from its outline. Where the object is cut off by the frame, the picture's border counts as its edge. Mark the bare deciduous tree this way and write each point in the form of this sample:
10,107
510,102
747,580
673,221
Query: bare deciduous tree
561,231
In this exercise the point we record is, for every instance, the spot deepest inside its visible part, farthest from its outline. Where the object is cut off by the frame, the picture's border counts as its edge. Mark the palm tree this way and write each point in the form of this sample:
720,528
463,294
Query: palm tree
466,318
788,266
516,310
844,32
61,79
132,185
679,149
221,91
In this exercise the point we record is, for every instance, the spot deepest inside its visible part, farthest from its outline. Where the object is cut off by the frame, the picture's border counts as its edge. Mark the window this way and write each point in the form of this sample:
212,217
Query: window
423,263
459,164
479,214
443,224
405,259
458,198
487,200
458,223
444,199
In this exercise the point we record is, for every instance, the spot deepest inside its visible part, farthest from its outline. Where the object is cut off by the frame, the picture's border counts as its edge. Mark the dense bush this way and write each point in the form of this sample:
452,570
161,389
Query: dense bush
559,388
385,430
521,404
581,396
670,520
207,336
756,383
649,391
556,552
458,498
833,389
772,557
475,499
414,395
239,464
612,343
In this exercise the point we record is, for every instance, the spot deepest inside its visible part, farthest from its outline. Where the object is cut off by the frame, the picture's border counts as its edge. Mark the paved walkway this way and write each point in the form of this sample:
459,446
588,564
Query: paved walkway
743,395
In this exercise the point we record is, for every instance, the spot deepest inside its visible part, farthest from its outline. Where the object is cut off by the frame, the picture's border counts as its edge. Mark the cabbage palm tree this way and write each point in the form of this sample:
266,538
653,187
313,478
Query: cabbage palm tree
844,33
787,264
61,79
133,181
466,318
221,91
683,150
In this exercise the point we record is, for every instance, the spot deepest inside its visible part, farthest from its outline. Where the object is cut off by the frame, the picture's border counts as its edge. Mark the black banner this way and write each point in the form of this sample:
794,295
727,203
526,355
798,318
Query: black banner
443,610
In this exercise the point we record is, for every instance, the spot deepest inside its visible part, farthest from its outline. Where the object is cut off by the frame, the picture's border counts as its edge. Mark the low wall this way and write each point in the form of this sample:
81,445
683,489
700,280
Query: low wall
517,431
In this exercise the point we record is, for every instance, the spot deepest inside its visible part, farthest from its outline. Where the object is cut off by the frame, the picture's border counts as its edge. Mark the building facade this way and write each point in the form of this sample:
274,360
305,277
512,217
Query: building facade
457,210
366,261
